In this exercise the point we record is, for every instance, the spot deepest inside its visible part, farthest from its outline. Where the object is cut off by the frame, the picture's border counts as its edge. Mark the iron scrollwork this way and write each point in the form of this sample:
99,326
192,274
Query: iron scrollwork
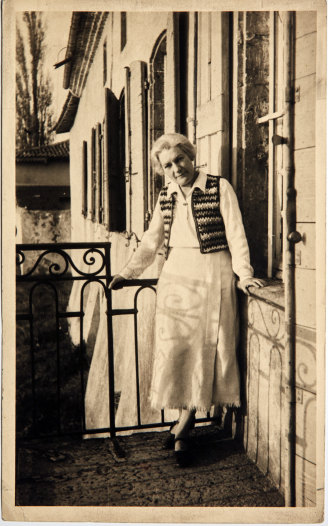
60,261
273,325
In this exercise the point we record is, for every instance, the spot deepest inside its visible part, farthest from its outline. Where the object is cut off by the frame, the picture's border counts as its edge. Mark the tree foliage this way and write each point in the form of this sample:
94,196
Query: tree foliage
33,89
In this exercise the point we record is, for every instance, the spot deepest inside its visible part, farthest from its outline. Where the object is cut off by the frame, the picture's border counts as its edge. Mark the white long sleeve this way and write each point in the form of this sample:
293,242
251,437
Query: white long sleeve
184,224
145,254
235,231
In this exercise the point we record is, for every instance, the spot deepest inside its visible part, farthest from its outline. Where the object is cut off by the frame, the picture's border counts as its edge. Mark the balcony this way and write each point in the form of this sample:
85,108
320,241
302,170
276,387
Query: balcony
56,469
75,472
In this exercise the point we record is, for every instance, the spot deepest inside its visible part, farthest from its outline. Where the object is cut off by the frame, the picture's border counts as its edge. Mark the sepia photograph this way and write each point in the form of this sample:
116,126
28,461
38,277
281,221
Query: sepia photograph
164,197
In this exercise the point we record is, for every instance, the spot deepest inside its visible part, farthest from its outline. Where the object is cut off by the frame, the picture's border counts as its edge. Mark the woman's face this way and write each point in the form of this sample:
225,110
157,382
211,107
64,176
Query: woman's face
177,166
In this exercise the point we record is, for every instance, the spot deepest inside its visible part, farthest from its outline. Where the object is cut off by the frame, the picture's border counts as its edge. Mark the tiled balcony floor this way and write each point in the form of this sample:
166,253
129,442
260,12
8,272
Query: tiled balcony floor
71,472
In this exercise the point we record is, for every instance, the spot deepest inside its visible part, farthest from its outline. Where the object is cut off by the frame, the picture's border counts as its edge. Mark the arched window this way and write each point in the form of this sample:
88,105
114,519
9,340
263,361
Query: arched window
156,109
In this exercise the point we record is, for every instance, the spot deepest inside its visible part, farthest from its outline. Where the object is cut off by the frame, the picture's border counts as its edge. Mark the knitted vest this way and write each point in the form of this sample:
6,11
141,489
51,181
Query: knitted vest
206,213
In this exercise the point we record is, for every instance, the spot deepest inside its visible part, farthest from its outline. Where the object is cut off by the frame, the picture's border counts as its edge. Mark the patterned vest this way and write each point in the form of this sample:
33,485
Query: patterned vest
207,216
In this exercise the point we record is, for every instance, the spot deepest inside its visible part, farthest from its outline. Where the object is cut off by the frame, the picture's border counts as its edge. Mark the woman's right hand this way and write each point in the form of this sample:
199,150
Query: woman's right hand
115,281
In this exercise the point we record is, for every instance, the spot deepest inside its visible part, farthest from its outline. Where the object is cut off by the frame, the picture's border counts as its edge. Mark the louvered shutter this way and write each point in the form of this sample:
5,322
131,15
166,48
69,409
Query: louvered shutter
93,174
212,114
138,130
114,206
172,87
98,173
128,170
85,178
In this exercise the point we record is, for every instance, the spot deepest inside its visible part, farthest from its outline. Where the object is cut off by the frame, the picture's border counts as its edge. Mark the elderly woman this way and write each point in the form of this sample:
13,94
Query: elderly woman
198,221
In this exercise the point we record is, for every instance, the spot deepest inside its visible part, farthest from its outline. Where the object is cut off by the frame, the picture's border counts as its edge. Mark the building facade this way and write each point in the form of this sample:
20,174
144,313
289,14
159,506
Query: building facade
247,88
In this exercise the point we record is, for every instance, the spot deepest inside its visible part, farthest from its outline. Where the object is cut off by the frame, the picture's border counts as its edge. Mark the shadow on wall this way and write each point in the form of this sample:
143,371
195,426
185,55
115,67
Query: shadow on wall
261,359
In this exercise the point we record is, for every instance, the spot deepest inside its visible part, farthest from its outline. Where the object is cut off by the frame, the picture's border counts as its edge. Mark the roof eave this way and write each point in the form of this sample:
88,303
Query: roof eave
67,116
71,45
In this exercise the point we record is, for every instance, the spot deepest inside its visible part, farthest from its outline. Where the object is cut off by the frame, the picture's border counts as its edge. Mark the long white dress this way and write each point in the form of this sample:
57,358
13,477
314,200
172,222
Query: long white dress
196,322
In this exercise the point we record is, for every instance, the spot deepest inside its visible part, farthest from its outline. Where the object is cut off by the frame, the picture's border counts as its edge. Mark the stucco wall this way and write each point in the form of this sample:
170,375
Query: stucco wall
92,110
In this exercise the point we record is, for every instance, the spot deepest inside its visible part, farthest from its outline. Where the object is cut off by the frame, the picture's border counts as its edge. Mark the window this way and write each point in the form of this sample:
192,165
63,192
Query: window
123,30
85,178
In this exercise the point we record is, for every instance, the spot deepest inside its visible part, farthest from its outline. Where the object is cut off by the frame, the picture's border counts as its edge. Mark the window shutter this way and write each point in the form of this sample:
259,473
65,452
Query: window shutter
172,87
99,163
85,178
137,108
213,103
93,174
114,205
128,171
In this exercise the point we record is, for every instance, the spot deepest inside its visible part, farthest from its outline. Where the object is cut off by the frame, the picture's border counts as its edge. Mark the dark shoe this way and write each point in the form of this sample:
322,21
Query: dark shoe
183,456
169,441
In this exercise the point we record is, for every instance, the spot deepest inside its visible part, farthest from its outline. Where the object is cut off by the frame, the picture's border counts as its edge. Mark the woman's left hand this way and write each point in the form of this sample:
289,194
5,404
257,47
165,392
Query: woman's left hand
249,282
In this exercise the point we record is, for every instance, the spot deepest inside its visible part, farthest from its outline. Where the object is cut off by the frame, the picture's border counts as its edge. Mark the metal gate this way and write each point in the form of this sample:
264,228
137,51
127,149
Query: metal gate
45,275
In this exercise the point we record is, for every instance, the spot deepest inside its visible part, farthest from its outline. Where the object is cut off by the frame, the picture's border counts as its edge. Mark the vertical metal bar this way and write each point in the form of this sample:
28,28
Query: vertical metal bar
137,355
271,243
82,358
195,78
111,380
289,256
58,367
32,362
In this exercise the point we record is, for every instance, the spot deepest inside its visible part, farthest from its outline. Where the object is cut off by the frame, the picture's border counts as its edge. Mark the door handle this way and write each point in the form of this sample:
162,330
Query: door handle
294,237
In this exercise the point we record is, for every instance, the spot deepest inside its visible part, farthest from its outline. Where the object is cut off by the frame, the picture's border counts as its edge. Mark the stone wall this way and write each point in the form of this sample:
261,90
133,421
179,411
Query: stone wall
252,139
42,226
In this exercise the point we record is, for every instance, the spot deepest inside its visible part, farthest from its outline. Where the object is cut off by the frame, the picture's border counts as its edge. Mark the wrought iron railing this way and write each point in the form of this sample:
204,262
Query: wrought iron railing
55,266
